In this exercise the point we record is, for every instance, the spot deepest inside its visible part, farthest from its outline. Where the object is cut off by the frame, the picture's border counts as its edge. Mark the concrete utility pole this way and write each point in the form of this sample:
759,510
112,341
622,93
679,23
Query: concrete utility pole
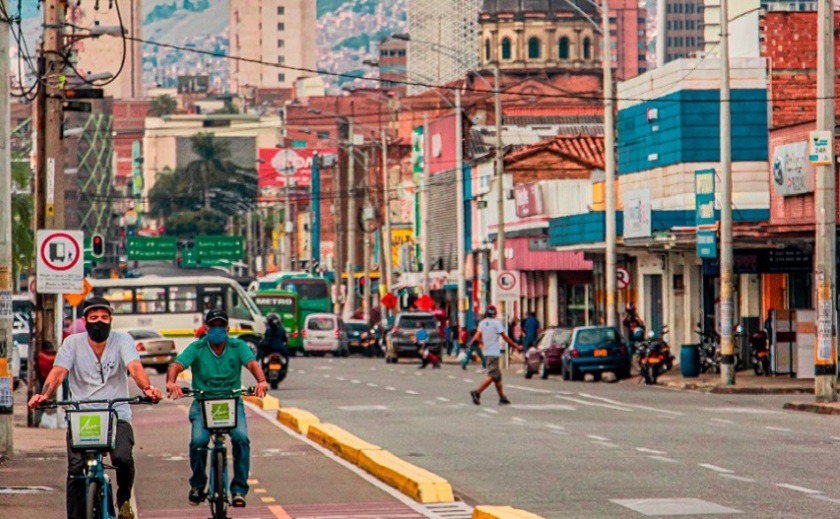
727,303
825,379
660,33
287,230
609,167
49,180
7,442
459,210
386,187
352,223
424,201
500,192
366,248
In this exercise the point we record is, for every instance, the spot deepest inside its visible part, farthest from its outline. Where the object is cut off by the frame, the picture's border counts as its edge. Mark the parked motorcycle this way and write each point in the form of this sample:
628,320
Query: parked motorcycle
709,349
760,353
275,367
651,359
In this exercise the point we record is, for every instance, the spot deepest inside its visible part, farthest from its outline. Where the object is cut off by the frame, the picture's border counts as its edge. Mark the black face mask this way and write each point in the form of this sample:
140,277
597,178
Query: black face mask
98,331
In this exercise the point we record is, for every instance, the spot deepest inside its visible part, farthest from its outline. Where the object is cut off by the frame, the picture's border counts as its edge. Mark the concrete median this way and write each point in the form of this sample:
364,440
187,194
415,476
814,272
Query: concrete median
413,481
296,419
267,403
502,512
339,441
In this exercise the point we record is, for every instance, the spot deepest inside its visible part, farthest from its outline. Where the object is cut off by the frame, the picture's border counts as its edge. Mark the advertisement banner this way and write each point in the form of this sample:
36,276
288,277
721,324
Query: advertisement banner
637,222
279,166
793,174
402,244
529,201
704,213
442,145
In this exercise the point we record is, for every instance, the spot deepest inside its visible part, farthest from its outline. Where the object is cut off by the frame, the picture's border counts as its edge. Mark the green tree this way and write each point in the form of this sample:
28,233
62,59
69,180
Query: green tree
162,105
23,211
188,224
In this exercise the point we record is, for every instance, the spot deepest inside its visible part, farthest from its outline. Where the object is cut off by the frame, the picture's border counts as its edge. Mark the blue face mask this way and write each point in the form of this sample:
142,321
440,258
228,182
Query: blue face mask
217,334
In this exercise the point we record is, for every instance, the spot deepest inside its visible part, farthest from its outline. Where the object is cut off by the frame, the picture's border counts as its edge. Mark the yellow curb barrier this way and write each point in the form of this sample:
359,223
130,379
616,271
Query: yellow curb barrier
413,481
267,403
341,442
502,512
297,419
185,375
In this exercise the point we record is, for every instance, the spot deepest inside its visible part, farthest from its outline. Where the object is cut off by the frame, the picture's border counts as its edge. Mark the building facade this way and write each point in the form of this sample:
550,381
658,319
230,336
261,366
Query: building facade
271,31
683,28
393,60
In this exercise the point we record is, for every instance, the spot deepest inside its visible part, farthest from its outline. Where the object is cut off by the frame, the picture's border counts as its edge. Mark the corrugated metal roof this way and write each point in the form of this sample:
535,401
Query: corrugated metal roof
524,258
587,149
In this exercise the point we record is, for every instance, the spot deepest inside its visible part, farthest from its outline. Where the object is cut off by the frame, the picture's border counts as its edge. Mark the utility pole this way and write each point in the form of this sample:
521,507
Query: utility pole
366,248
49,180
727,303
500,192
338,257
249,240
350,301
609,167
7,439
825,379
386,187
459,211
287,231
424,201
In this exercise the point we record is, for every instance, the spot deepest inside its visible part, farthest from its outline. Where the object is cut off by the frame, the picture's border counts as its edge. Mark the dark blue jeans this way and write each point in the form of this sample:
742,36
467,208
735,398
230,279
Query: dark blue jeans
241,450
474,349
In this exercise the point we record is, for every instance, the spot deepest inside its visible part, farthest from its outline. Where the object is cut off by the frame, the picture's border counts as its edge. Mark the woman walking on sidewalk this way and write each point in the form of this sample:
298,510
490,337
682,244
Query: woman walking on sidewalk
490,331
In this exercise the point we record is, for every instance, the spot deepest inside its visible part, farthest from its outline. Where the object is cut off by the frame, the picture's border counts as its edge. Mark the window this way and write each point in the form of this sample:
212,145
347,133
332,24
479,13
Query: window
281,10
487,49
237,307
281,26
323,135
121,299
151,300
401,52
280,44
534,44
563,48
587,49
281,59
505,48
383,53
321,324
281,77
182,298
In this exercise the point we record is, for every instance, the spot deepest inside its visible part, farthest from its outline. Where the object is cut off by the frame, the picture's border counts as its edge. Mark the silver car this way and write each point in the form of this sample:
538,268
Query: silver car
325,333
155,350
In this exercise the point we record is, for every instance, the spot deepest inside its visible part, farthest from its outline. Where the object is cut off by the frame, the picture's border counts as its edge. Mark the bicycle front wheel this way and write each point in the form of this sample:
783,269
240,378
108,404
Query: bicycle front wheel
217,501
93,509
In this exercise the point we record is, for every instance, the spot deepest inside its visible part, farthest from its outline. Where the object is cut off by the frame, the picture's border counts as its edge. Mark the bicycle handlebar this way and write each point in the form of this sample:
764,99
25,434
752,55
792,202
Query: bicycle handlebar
200,393
111,403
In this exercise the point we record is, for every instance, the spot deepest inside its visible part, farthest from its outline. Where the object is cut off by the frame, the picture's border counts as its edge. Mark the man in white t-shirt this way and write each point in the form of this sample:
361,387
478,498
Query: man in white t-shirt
490,331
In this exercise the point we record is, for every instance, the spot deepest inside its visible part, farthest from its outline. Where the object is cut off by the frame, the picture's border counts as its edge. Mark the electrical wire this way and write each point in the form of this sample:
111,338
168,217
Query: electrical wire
123,38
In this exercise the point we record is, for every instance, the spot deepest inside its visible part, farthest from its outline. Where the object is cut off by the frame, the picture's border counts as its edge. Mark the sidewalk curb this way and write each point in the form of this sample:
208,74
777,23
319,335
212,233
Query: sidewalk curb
296,419
339,441
502,512
739,390
812,407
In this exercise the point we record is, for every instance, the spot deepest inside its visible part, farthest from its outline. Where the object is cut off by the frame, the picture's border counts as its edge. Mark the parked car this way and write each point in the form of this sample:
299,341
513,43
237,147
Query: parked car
155,350
325,333
595,349
400,338
357,335
546,357
21,344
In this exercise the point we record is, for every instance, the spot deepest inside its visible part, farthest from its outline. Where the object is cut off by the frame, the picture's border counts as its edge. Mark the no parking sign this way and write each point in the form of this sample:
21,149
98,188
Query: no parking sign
61,266
507,286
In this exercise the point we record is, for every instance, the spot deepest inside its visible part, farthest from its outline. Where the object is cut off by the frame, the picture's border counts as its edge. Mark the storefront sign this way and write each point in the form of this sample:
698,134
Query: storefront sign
528,199
792,173
704,213
637,222
821,148
763,261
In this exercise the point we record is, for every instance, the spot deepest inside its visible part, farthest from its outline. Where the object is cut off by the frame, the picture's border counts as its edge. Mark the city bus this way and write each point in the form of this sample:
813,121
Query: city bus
313,292
175,306
284,304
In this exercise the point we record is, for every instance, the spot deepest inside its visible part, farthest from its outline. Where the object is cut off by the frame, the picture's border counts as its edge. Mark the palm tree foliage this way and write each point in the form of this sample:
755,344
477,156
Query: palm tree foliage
23,212
162,105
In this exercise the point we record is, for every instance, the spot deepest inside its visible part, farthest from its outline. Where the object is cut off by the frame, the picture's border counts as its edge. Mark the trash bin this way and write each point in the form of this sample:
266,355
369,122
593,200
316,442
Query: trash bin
690,360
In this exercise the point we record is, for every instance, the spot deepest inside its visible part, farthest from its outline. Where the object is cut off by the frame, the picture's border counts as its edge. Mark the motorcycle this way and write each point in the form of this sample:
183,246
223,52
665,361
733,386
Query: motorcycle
709,348
275,367
651,359
760,353
372,342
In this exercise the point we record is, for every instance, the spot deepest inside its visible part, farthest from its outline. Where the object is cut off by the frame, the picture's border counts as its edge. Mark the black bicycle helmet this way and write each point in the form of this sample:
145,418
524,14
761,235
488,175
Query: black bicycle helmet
215,315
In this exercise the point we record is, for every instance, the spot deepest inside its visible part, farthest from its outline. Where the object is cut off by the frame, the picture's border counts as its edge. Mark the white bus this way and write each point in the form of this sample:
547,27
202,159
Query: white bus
175,306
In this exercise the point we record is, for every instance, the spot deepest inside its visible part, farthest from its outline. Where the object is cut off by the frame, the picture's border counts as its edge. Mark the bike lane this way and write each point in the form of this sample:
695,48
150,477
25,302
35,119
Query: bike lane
289,477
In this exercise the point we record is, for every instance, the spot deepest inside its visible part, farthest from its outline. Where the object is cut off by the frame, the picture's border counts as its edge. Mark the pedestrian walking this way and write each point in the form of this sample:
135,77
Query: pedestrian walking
530,330
490,331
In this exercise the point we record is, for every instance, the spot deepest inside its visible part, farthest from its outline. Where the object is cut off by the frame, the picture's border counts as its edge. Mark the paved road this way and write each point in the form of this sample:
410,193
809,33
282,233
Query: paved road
592,450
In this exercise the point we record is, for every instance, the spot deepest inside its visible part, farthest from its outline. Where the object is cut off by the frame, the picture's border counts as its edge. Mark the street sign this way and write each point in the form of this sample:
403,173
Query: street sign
707,244
60,267
76,299
146,248
622,276
211,249
507,286
821,148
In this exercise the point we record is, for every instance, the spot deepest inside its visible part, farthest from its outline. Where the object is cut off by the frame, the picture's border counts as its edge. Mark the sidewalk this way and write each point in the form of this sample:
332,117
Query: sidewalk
746,382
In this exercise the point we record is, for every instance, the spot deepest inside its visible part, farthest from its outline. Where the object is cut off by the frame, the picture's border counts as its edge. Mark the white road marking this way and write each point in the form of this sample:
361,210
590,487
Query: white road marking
826,498
410,392
327,376
302,372
468,380
485,415
356,381
371,384
664,459
531,389
606,444
373,369
599,438
798,488
737,478
390,388
340,378
779,429
451,377
740,410
403,372
418,373
716,468
594,404
836,438
431,402
721,420
363,408
517,419
555,427
324,367
634,406
544,407
491,411
651,451
443,399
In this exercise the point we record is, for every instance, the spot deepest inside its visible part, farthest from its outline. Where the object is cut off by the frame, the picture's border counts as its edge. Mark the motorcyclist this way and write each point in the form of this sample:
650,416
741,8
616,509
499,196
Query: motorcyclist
634,326
276,339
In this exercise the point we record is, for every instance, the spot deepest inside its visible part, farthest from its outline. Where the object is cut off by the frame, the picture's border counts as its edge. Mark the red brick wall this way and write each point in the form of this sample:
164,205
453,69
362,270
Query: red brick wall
129,126
789,41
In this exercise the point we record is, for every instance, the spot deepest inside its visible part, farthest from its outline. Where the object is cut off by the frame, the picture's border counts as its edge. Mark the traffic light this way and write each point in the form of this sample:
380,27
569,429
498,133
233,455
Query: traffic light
97,246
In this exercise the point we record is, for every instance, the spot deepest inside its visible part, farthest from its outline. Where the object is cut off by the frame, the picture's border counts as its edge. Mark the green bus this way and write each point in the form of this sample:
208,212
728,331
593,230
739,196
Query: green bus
284,304
313,292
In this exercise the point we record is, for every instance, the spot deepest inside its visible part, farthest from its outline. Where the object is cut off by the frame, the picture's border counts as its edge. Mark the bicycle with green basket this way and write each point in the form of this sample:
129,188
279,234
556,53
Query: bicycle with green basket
93,433
220,416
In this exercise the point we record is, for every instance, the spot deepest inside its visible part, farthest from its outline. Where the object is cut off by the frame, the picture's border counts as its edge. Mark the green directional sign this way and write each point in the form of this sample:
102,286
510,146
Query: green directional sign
212,249
146,248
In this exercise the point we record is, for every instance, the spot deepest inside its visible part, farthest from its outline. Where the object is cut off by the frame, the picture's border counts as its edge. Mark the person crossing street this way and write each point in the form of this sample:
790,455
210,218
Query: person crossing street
490,331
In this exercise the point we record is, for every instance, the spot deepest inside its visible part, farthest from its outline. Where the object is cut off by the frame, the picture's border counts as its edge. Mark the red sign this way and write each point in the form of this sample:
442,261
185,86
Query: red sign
442,145
278,166
389,301
528,199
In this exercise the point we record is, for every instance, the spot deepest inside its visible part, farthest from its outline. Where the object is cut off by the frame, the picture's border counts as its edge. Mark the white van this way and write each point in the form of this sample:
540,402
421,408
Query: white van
325,333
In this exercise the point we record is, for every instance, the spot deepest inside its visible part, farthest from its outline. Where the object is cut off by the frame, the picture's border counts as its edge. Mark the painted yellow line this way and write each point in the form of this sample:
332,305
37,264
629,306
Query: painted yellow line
502,512
413,481
297,419
260,491
341,442
268,500
279,512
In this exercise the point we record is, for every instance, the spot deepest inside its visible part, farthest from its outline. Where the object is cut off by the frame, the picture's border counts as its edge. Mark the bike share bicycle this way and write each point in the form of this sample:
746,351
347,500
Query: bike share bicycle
220,418
93,433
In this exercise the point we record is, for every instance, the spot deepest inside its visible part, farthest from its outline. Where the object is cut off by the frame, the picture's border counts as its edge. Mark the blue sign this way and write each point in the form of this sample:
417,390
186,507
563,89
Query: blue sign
704,215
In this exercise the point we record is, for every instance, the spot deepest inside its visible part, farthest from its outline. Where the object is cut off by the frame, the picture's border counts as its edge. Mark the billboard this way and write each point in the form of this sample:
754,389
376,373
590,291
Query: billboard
793,174
277,166
529,201
705,216
442,145
637,213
